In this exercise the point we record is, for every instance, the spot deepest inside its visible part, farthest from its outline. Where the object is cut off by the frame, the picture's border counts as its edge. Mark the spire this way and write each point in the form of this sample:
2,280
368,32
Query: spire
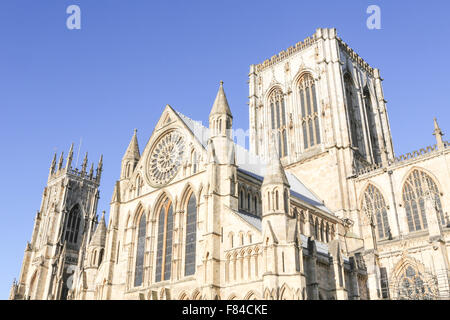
438,134
61,159
70,157
85,162
52,166
99,237
133,148
91,172
99,168
220,105
274,170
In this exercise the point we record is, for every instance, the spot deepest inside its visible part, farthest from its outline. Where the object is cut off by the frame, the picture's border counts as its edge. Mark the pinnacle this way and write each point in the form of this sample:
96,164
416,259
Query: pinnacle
274,170
220,105
133,148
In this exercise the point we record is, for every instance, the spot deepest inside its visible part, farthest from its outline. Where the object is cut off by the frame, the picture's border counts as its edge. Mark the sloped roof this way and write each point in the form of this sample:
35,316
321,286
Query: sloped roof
255,166
252,219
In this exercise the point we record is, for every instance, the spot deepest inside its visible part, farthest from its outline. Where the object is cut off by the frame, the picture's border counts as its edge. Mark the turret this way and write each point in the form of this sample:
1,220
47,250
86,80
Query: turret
130,158
275,187
220,117
96,246
281,245
220,127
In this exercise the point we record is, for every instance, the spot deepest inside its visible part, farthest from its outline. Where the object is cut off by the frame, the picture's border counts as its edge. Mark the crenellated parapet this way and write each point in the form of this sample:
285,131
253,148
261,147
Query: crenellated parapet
299,46
355,57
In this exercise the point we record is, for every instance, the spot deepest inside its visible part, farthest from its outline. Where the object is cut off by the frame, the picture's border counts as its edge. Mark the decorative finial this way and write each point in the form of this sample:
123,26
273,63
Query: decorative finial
221,82
135,131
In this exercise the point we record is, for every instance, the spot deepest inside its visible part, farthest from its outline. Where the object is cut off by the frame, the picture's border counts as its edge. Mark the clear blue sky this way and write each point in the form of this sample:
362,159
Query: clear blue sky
131,58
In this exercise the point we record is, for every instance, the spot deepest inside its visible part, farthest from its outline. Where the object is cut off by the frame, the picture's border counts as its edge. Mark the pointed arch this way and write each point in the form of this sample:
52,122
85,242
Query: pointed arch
140,246
309,110
412,281
162,196
417,186
191,234
353,114
286,292
375,209
165,229
232,297
73,224
250,296
276,103
196,295
183,296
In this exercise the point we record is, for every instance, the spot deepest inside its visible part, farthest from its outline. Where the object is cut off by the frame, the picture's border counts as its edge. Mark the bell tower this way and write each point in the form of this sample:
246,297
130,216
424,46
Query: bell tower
63,227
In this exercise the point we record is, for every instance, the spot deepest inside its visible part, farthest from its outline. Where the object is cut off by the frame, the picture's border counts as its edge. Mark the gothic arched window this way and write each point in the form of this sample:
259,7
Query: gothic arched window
73,225
309,111
354,115
417,187
412,286
278,120
372,126
164,243
191,236
374,206
140,251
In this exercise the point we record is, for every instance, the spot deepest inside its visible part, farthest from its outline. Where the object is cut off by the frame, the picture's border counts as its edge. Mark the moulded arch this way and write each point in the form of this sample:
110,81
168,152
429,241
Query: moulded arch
363,190
163,195
427,172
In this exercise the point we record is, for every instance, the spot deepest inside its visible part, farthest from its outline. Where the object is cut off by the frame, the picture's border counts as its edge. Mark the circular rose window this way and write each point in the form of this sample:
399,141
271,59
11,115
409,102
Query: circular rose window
165,158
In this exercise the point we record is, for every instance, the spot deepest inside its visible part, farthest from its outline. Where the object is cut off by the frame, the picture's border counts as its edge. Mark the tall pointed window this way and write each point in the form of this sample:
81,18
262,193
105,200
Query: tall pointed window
73,225
164,243
140,251
278,120
374,206
354,115
417,187
309,111
372,126
191,236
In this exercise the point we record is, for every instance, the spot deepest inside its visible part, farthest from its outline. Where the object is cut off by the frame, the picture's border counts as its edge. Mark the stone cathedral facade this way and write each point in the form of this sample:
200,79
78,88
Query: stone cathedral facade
320,207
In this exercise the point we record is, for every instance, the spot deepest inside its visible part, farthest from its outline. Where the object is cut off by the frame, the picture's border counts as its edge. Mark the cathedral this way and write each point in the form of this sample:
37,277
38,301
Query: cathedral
318,208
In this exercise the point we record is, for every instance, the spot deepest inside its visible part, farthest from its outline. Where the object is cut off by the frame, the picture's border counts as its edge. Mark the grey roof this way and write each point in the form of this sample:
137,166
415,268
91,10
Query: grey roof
199,131
252,219
255,166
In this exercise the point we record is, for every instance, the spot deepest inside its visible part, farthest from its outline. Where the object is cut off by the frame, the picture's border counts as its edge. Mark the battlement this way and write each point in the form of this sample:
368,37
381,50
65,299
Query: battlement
321,33
404,158
286,53
355,57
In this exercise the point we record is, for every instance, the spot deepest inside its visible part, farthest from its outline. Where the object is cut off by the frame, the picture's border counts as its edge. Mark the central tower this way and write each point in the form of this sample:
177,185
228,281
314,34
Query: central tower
325,105
63,227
